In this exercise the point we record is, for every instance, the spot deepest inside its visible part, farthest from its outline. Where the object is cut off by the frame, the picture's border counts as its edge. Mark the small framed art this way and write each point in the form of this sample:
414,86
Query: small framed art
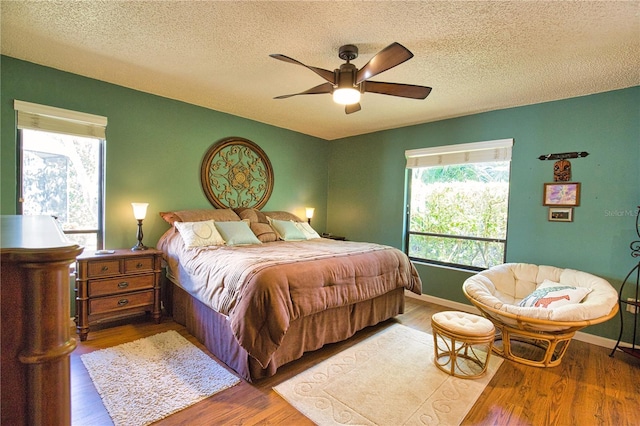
561,194
561,214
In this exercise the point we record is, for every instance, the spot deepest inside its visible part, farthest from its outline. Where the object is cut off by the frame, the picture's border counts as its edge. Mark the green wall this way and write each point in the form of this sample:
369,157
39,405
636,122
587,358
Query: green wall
367,185
154,149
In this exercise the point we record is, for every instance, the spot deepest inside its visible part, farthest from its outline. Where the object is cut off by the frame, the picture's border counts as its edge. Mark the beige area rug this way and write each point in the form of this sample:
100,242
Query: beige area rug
148,379
389,380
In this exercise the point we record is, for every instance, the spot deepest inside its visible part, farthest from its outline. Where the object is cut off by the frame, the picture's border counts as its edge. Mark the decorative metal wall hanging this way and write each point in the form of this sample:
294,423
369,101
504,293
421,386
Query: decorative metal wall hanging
563,194
236,172
562,167
563,155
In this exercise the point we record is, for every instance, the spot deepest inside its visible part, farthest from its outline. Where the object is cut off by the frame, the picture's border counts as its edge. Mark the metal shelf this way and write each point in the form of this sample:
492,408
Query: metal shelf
635,252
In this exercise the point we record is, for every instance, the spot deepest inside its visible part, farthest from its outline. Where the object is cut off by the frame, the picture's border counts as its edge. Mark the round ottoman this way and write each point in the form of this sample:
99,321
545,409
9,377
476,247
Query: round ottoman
462,343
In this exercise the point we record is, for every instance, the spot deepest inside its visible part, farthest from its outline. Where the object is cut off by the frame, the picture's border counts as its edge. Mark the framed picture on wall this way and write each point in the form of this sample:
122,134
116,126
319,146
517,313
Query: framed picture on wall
561,214
561,194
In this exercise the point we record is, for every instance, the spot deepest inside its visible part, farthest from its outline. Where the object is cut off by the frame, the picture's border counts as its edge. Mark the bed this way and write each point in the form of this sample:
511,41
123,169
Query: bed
262,300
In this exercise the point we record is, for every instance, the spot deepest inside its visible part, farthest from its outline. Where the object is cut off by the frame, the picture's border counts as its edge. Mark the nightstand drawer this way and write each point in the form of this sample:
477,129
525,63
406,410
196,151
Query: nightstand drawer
140,264
102,268
120,285
120,302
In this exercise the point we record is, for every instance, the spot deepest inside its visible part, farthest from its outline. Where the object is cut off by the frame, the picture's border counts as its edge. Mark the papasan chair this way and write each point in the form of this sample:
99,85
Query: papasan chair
542,306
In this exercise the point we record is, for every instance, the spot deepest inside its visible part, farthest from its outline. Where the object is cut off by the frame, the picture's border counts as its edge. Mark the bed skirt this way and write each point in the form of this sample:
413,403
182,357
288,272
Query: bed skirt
305,334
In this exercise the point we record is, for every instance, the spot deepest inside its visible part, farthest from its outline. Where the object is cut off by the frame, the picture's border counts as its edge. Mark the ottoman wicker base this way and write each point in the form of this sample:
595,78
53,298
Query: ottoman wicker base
462,343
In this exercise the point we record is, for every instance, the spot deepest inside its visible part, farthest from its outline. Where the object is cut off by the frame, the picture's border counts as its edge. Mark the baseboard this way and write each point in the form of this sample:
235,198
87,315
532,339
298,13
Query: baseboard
583,337
444,302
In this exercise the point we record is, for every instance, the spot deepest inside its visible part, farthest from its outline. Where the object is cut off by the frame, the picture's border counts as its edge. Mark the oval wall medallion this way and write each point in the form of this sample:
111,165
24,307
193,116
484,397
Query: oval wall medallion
236,172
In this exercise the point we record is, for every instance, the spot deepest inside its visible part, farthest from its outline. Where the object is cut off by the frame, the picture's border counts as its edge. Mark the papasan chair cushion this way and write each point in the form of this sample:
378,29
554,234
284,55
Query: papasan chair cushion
498,292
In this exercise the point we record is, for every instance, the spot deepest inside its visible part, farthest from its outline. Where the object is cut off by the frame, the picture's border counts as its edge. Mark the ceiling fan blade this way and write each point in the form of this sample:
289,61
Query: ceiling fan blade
349,109
389,57
396,89
323,88
326,74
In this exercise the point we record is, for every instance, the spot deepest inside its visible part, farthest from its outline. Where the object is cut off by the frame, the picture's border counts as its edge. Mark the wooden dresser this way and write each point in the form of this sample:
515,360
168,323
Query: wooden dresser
36,340
110,286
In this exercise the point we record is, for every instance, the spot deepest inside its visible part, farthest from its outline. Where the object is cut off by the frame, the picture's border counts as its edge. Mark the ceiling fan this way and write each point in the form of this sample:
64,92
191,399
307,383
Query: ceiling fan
347,83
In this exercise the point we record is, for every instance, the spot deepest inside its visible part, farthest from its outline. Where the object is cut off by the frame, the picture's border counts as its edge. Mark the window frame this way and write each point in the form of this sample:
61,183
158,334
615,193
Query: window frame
99,231
476,152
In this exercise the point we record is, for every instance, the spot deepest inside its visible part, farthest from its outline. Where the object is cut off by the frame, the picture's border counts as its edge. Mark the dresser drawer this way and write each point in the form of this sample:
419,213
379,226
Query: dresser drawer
102,268
120,285
120,302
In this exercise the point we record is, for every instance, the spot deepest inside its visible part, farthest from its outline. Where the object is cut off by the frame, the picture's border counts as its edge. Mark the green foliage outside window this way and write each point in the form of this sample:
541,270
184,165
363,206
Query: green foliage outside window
463,209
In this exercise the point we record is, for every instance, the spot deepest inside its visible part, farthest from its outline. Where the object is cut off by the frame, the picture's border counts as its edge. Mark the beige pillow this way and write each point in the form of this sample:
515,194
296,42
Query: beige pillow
199,234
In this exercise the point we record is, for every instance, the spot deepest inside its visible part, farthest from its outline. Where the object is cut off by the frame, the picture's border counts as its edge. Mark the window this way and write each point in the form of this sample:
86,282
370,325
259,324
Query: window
61,163
458,203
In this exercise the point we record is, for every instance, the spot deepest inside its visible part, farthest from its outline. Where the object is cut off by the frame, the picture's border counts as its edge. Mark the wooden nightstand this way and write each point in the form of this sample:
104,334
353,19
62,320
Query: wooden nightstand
115,285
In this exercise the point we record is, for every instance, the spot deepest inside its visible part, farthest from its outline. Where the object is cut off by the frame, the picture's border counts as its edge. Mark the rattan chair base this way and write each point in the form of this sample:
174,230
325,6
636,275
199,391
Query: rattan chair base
554,345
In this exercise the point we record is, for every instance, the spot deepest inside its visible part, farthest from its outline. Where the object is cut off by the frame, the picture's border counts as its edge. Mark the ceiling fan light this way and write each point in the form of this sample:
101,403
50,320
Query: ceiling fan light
346,96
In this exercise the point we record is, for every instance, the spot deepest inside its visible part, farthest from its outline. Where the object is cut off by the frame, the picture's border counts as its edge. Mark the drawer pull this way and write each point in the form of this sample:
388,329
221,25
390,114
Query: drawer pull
123,302
139,265
123,284
105,268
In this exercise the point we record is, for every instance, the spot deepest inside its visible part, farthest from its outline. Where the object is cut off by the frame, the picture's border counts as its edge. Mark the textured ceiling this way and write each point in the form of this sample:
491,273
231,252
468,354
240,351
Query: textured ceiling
478,56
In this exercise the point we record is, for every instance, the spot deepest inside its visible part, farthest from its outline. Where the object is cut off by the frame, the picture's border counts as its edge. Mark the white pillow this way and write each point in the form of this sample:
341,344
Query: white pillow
237,232
307,230
552,295
287,230
199,234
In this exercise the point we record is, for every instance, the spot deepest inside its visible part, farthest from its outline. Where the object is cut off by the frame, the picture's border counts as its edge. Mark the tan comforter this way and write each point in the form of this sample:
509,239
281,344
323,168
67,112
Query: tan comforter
262,288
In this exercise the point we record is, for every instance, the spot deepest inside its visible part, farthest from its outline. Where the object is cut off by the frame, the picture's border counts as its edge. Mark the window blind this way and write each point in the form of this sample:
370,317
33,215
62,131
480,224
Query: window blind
51,119
477,152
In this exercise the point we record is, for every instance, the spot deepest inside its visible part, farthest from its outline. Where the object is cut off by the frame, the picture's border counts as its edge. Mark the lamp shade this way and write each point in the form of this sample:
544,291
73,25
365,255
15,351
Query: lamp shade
139,210
346,96
309,211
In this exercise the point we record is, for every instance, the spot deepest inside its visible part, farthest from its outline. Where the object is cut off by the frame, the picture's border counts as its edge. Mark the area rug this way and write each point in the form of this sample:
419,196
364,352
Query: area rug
148,379
389,380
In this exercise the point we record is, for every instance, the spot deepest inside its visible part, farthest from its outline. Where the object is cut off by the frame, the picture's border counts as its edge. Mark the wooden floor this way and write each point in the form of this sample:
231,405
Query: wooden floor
588,388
